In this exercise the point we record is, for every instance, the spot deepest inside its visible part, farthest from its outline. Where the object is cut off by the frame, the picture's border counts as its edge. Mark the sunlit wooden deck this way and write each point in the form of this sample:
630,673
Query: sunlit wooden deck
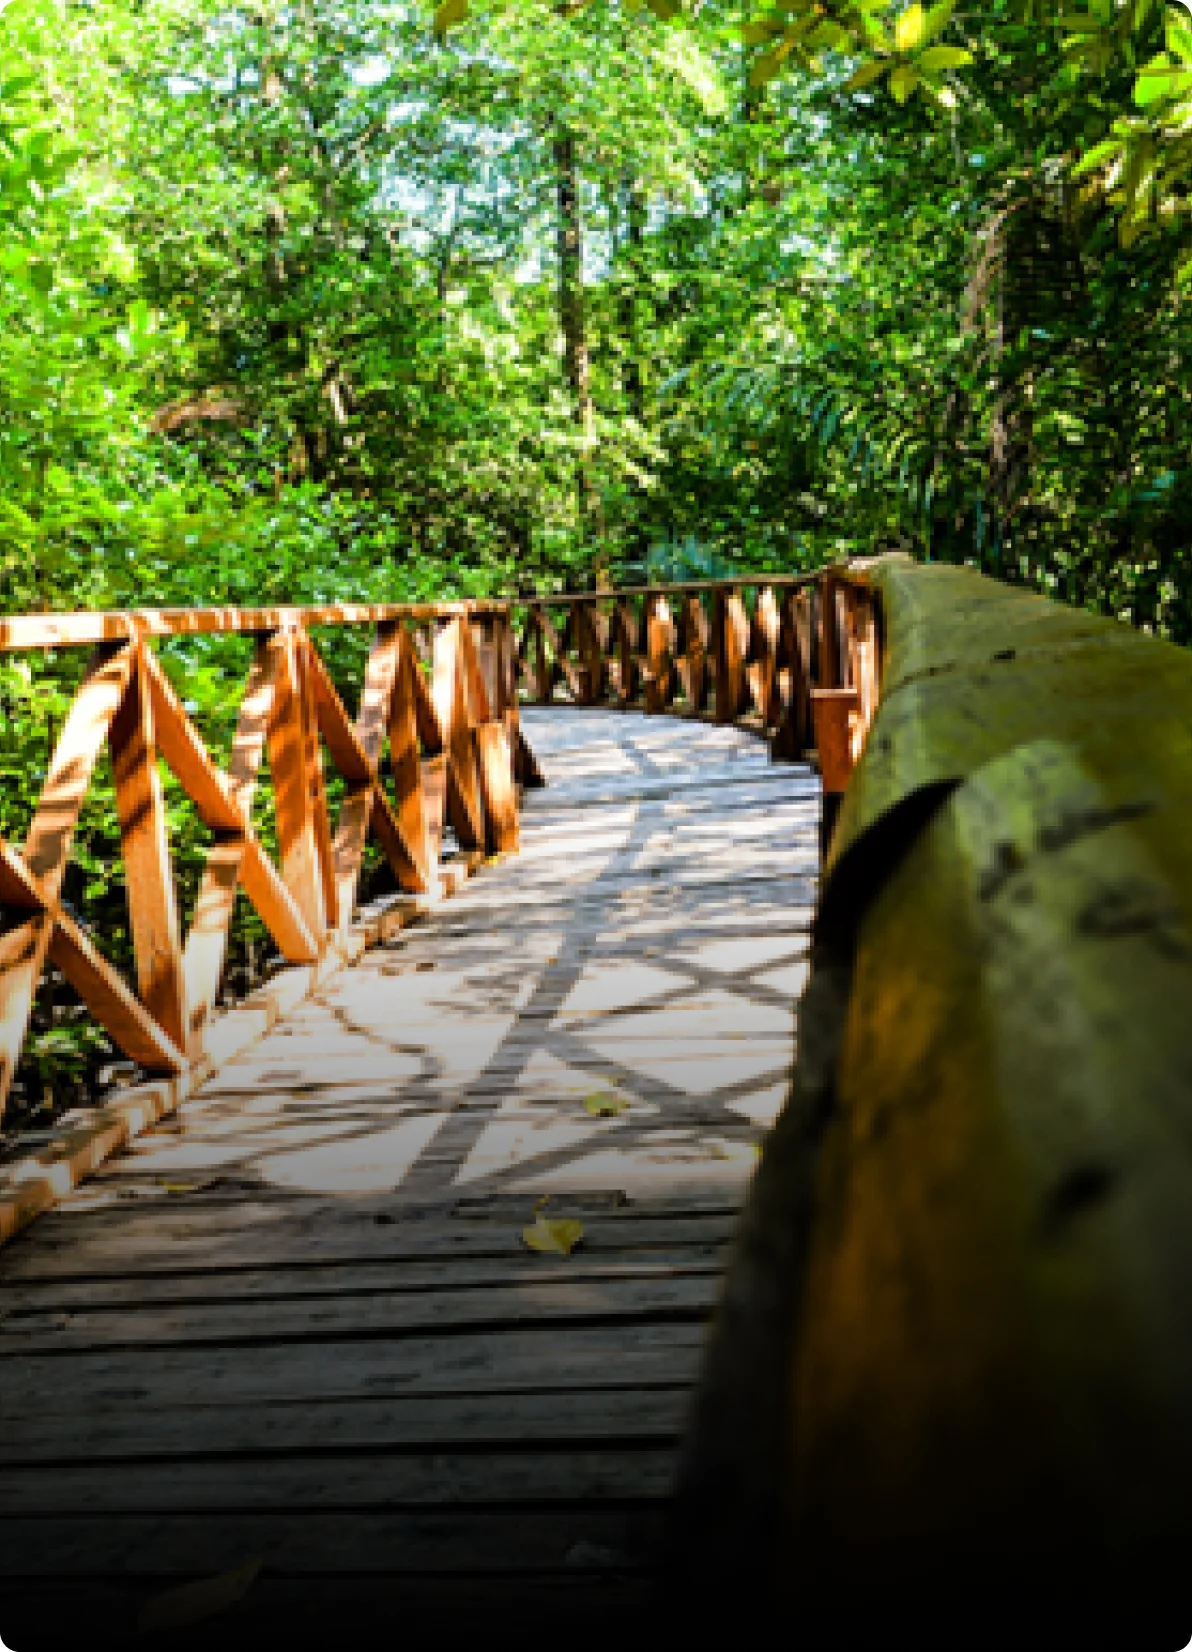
296,1326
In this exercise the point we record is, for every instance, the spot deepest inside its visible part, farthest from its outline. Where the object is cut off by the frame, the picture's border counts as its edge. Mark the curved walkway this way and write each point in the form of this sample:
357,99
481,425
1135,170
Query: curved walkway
295,1334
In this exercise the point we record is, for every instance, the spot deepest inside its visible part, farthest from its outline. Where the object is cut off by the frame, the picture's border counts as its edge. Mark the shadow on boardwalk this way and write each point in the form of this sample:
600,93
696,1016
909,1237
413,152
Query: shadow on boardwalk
299,1328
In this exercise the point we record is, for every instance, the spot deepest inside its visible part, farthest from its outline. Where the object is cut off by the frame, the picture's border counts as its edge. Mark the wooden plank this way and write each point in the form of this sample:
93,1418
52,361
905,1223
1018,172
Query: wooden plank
430,731
465,808
255,1282
113,1005
224,805
761,671
497,789
24,632
411,1544
436,1422
794,732
350,1481
296,789
660,646
233,1324
500,1362
247,1236
542,675
692,661
731,640
308,663
627,643
836,714
419,814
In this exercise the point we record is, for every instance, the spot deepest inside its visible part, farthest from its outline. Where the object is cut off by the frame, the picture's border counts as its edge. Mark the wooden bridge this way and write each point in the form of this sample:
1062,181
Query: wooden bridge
383,1296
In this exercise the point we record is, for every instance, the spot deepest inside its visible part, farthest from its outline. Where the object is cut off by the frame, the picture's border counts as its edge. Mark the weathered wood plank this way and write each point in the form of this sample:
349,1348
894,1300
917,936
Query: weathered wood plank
410,1544
351,1481
537,1360
374,1314
438,1422
241,1232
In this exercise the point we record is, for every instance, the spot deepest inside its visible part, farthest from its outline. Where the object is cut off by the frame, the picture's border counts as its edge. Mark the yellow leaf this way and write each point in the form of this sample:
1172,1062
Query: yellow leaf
192,1602
908,31
604,1102
557,1238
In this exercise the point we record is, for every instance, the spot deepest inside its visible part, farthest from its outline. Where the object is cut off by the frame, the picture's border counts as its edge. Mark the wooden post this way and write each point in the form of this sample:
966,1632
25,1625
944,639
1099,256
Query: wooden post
660,643
763,651
148,872
453,694
627,633
302,831
541,675
731,638
794,732
692,664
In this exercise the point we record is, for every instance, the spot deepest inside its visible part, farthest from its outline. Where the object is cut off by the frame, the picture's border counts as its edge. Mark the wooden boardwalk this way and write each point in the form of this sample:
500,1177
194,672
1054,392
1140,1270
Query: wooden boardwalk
296,1328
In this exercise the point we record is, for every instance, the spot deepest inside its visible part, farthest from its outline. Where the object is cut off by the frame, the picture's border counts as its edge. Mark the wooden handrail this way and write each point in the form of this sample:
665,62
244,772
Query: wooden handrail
782,655
951,1379
22,632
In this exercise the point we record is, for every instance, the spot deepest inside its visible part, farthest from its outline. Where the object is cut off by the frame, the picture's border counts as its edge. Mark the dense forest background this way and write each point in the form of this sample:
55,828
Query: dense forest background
355,298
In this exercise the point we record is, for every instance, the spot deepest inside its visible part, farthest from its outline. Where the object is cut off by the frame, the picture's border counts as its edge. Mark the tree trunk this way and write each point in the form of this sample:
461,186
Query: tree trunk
572,322
633,377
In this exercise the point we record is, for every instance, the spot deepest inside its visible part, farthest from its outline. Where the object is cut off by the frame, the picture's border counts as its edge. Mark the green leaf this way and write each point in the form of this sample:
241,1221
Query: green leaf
756,34
938,18
944,57
765,68
865,75
1108,149
903,81
449,14
665,10
908,31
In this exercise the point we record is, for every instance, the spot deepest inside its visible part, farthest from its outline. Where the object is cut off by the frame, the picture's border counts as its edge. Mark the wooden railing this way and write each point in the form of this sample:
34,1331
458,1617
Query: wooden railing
795,658
436,740
951,1377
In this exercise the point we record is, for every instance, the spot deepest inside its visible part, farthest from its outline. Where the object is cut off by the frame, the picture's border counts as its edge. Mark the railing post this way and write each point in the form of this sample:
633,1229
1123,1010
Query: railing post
731,647
295,764
660,642
763,649
692,663
628,646
148,870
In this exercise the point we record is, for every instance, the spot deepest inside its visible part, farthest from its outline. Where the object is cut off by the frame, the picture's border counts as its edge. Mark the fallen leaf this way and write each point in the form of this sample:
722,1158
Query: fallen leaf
194,1601
603,1103
558,1238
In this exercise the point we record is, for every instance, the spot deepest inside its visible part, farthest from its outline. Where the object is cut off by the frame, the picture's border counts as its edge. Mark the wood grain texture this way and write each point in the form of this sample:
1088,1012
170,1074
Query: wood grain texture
304,1316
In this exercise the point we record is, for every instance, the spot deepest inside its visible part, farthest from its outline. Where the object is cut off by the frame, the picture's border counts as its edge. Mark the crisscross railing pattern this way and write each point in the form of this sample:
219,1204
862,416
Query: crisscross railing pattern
794,657
454,751
436,740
